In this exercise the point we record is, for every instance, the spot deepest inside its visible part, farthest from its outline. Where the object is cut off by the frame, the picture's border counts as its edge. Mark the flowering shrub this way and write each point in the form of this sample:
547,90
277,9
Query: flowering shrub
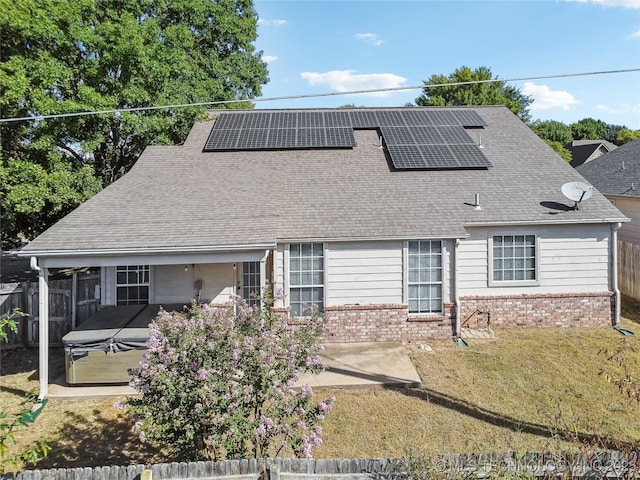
219,383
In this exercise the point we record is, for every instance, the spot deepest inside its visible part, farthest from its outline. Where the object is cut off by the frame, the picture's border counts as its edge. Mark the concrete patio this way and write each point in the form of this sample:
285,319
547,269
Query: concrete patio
349,365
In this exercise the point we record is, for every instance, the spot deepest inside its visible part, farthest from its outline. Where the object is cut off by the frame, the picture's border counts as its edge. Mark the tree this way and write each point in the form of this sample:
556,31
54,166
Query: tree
219,383
625,135
560,150
553,131
589,129
66,56
31,199
486,92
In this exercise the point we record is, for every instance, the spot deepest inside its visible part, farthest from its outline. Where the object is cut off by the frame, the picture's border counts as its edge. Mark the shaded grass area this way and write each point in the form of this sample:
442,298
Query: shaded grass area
526,389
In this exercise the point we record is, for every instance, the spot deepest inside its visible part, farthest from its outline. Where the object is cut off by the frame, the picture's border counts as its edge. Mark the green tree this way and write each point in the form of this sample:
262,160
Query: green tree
67,56
553,131
32,198
589,129
487,91
625,135
560,150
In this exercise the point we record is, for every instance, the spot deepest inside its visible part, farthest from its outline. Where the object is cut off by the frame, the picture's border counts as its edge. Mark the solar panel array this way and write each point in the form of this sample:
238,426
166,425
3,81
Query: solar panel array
414,139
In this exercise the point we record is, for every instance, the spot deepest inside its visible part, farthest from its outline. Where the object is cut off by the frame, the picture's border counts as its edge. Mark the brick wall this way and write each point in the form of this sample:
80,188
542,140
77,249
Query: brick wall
550,310
384,323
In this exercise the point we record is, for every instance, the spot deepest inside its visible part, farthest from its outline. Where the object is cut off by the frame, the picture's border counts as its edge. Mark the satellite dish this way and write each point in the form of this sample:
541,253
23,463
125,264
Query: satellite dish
577,192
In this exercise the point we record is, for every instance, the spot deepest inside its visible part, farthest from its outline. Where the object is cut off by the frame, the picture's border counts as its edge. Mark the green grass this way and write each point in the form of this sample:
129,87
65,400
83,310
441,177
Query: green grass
535,389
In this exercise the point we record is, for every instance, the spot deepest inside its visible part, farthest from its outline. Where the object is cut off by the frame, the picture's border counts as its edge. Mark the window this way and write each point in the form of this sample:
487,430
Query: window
132,285
306,277
251,283
425,276
514,258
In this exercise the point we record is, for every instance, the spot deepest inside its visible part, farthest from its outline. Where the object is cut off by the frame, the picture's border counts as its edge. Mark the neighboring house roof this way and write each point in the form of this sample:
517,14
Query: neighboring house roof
583,151
183,198
617,172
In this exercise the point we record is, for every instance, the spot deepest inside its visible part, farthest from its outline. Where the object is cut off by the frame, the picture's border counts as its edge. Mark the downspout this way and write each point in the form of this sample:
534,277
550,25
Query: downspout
456,293
614,271
43,332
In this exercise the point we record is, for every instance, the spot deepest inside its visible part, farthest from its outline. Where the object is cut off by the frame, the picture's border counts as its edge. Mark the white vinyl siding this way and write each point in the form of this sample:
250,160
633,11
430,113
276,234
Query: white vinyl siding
572,258
630,207
364,273
174,284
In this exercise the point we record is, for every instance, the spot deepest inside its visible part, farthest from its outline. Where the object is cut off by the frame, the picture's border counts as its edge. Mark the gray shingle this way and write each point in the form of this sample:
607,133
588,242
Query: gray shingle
183,197
616,172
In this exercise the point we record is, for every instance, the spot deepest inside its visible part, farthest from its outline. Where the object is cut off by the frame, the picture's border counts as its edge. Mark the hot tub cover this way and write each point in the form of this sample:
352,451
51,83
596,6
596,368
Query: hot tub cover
116,328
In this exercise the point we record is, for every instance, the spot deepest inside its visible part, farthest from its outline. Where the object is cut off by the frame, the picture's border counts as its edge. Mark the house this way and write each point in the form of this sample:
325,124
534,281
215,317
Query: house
617,175
584,151
399,223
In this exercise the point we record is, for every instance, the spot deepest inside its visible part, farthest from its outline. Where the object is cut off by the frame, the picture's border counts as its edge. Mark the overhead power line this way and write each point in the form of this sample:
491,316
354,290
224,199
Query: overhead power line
310,95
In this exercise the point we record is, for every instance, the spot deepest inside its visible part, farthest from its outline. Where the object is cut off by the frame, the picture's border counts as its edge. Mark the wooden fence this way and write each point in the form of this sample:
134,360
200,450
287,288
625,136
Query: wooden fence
629,269
514,465
71,301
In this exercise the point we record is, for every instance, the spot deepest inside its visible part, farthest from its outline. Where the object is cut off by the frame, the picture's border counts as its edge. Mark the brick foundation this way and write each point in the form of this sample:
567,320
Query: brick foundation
384,323
392,323
550,310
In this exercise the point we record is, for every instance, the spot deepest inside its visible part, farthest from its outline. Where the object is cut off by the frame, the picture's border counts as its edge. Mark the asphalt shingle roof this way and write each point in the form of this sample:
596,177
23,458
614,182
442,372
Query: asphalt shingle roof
616,172
182,197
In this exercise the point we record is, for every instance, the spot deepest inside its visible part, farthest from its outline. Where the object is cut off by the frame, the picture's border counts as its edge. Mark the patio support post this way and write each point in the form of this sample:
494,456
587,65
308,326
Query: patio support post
43,333
263,273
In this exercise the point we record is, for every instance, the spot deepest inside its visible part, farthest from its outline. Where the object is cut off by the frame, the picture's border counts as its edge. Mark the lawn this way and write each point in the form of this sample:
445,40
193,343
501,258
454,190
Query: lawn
536,389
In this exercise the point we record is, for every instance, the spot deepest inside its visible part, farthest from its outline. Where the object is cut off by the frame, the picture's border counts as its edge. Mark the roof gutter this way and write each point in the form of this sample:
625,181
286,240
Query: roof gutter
500,223
147,251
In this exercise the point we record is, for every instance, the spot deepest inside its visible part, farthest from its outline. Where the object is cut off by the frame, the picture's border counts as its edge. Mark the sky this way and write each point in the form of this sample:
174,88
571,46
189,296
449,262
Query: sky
318,47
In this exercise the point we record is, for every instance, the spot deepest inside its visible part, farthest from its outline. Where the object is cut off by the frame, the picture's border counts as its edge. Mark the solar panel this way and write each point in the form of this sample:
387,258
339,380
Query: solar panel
229,120
363,119
418,118
469,156
414,138
443,117
337,119
222,140
310,120
340,137
469,118
252,139
455,135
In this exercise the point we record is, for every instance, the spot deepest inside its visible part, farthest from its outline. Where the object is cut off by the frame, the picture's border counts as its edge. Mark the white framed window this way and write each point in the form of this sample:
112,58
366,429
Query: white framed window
306,278
251,283
424,275
132,284
513,260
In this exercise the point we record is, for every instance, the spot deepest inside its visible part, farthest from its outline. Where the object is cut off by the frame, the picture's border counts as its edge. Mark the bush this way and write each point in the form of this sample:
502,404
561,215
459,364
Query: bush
220,383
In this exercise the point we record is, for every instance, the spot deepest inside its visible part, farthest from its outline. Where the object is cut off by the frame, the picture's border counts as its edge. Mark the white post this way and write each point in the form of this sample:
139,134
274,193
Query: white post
263,273
43,317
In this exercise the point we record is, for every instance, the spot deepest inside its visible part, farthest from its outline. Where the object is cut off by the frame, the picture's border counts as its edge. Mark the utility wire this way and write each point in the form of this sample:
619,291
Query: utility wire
311,95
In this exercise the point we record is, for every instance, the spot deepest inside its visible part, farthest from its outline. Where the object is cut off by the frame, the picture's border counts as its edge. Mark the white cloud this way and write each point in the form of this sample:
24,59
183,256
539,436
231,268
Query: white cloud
271,23
349,81
611,3
544,98
269,58
608,109
370,38
634,35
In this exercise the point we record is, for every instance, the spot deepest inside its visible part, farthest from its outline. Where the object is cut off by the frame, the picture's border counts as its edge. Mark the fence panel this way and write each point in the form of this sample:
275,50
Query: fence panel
629,269
12,296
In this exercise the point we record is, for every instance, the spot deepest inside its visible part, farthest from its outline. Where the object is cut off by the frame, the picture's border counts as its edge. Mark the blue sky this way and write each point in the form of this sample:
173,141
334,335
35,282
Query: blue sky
318,47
